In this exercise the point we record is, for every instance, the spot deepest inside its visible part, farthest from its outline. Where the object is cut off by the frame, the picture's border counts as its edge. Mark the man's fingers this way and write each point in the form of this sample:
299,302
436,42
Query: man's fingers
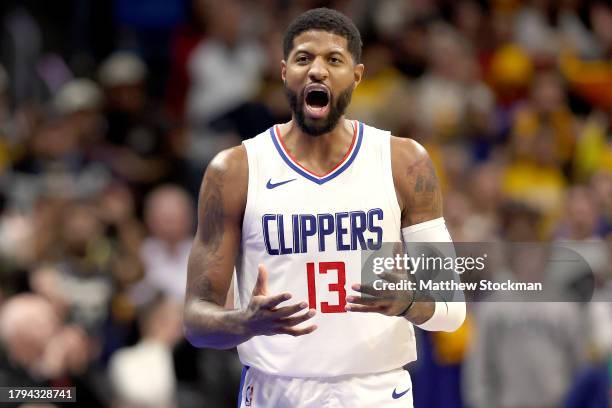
363,300
293,321
273,301
290,310
261,286
292,331
365,308
368,290
394,277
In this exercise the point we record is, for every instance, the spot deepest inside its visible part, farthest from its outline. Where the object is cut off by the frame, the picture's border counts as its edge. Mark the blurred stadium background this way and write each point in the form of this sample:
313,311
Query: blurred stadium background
111,110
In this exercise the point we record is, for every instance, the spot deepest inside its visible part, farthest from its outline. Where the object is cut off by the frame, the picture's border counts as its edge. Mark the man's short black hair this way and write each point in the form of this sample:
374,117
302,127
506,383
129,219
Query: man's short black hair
326,20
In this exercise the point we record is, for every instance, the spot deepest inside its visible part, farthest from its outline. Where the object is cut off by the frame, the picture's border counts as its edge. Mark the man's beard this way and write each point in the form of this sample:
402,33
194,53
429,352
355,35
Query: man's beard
324,125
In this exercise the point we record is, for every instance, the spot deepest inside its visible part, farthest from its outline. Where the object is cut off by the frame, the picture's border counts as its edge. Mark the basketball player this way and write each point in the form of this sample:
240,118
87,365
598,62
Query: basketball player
292,208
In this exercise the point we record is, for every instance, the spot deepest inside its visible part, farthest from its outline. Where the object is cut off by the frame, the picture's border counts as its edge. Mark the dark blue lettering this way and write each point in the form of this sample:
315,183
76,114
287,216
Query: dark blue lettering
358,227
325,230
307,231
281,236
374,244
296,233
341,232
266,232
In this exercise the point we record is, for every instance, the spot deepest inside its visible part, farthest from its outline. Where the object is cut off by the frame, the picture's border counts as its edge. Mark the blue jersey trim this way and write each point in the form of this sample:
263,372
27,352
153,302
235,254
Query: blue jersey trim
318,180
242,378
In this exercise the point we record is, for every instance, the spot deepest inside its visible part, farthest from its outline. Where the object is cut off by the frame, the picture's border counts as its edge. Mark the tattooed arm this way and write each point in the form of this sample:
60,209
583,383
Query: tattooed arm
207,323
420,199
418,194
215,246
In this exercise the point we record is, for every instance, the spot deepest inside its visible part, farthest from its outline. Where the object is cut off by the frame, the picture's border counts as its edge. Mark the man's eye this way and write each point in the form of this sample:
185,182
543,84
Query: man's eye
302,59
335,60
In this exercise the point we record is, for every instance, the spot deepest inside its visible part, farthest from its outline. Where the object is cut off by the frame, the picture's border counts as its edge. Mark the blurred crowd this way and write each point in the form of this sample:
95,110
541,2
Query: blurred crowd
110,112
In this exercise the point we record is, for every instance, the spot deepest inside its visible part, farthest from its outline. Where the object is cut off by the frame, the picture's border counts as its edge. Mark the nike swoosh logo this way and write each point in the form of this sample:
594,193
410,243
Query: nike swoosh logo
395,395
271,185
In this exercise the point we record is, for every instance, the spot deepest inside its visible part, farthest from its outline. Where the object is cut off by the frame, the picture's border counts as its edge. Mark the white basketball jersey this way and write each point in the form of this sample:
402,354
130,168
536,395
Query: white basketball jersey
308,230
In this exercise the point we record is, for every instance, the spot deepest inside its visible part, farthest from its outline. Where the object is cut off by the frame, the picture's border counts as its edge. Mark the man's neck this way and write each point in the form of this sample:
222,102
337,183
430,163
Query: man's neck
318,153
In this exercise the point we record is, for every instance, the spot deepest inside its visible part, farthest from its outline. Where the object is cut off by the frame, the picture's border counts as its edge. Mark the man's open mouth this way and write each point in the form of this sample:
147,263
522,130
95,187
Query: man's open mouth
316,100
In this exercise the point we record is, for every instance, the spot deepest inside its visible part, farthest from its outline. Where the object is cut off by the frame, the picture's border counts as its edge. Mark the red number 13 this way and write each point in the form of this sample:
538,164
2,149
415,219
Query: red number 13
333,287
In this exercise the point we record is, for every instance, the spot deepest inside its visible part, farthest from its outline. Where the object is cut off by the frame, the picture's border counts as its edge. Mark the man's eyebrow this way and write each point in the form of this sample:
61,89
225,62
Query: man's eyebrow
306,50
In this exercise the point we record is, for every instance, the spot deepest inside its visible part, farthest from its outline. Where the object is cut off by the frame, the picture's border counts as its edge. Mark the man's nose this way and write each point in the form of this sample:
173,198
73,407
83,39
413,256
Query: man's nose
318,71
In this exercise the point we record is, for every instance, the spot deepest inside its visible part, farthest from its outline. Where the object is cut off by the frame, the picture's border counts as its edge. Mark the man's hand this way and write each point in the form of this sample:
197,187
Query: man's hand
384,301
264,317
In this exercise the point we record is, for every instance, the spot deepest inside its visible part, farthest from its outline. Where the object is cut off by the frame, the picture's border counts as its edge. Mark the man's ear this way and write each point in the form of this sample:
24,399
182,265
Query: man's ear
358,73
283,70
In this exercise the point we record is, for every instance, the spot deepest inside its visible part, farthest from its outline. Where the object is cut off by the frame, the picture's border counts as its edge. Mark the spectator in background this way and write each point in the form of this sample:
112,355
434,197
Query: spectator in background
54,162
136,140
94,250
169,216
43,351
542,27
82,254
593,152
216,105
511,335
581,220
485,192
143,375
27,323
542,142
184,41
46,281
451,90
81,101
591,78
472,215
382,95
547,107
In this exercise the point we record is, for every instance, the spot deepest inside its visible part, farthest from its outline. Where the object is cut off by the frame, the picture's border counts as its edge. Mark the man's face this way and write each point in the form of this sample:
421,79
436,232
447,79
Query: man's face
319,77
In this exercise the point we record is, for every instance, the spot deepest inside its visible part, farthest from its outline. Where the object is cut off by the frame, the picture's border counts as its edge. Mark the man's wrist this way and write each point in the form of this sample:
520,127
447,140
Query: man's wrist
407,309
422,309
241,320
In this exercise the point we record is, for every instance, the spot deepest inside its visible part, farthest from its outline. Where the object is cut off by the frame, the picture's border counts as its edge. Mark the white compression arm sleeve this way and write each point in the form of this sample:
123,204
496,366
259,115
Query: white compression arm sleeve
448,316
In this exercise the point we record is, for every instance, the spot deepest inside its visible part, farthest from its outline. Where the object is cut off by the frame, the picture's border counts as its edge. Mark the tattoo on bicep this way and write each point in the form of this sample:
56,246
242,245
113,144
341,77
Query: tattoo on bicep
425,200
428,182
212,223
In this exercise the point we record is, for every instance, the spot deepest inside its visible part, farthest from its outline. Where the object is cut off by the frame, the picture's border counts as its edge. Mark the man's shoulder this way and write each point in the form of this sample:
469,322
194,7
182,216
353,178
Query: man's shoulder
229,162
226,181
407,152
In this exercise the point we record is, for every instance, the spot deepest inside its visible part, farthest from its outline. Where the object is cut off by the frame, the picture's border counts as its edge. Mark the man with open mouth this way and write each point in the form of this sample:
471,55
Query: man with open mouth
291,211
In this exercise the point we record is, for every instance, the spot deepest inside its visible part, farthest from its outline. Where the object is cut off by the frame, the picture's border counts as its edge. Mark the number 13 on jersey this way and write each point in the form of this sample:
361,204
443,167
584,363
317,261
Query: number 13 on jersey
339,286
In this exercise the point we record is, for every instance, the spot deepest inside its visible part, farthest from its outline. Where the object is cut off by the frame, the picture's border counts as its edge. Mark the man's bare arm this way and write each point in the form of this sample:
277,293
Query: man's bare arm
215,246
420,198
211,262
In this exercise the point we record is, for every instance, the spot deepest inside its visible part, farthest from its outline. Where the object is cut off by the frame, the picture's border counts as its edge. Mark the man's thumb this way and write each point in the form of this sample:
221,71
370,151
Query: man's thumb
261,286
